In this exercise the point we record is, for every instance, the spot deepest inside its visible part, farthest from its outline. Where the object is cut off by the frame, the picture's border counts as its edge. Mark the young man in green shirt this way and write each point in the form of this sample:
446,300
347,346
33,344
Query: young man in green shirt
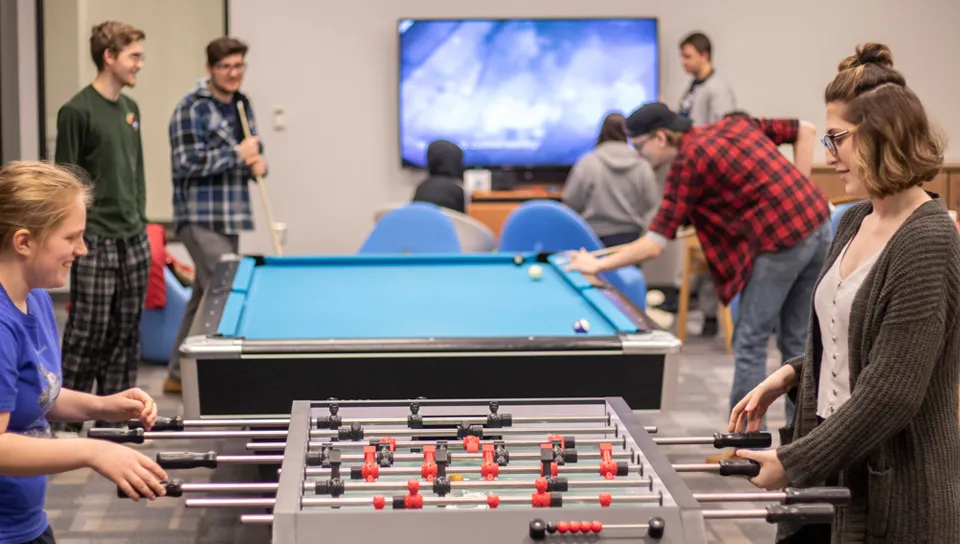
98,130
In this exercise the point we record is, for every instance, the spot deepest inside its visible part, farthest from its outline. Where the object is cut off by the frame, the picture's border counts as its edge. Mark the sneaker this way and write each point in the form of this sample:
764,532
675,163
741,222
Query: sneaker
66,434
172,387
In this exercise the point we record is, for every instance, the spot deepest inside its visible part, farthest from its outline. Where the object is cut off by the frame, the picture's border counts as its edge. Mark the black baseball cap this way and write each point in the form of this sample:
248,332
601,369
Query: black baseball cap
655,116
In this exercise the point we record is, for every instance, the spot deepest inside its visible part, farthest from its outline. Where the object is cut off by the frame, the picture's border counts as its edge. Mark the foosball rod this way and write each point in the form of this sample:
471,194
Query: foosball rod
726,467
176,488
324,422
718,440
310,502
774,513
837,496
211,459
623,469
789,497
137,436
417,444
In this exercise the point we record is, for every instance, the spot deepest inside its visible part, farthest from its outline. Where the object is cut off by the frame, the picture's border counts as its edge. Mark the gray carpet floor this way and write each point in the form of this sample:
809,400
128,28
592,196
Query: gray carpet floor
84,509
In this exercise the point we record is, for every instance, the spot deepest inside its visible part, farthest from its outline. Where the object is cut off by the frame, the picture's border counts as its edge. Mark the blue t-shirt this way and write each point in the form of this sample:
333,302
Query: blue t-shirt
29,386
231,116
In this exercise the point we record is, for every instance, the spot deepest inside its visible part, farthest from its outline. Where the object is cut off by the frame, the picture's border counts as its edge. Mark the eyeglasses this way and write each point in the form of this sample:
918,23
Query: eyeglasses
231,67
831,141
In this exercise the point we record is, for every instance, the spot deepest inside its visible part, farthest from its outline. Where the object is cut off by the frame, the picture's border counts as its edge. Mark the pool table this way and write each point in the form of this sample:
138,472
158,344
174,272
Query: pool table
271,330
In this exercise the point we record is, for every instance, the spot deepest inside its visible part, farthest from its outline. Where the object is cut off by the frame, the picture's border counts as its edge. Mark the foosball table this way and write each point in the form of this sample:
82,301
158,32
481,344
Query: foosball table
471,471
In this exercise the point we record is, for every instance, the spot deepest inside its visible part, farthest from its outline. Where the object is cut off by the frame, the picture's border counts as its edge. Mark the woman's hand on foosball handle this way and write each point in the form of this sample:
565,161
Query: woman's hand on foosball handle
772,475
136,474
130,404
747,415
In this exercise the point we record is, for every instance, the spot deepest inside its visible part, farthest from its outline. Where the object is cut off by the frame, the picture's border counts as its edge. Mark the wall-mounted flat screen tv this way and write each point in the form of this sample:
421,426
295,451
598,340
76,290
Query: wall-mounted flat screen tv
520,93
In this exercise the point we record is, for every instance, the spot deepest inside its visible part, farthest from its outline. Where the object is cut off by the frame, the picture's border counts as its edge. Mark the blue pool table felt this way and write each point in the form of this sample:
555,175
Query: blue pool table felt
413,296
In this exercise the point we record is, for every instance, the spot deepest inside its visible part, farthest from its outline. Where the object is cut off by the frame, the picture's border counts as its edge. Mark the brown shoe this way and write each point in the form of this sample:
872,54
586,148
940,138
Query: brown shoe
172,387
725,456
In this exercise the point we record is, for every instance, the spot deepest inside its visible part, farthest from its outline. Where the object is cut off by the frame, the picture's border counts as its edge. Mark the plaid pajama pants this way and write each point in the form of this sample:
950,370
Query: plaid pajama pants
101,340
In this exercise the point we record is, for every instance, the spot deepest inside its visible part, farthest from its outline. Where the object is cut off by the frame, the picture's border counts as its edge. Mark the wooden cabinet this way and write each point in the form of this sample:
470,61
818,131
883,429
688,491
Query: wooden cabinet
493,207
946,184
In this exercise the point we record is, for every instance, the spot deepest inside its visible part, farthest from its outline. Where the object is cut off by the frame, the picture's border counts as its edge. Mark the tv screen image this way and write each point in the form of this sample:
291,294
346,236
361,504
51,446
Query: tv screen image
520,93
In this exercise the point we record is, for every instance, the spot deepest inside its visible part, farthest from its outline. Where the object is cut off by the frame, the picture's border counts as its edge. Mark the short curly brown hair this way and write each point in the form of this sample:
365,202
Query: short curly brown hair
896,145
112,36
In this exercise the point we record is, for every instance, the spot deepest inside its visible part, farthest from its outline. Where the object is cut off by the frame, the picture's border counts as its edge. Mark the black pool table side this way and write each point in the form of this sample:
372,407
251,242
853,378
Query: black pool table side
239,377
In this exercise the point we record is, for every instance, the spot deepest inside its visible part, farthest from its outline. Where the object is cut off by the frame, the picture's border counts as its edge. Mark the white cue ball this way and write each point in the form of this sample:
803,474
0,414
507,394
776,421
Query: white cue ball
536,272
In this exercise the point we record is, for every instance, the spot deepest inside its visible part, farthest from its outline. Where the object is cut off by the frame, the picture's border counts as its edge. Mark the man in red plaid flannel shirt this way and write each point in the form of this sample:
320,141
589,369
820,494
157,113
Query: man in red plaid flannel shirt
763,225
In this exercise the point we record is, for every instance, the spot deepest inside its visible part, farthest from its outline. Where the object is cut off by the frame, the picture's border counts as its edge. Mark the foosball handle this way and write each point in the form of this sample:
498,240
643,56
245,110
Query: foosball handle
162,424
742,440
655,527
119,436
739,467
800,513
174,488
837,496
184,460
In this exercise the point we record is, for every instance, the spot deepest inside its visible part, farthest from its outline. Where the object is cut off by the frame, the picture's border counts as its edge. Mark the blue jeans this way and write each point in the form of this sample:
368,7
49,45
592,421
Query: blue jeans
777,297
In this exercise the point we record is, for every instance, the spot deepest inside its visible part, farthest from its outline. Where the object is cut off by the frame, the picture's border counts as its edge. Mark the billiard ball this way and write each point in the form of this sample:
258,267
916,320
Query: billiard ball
536,272
518,260
581,326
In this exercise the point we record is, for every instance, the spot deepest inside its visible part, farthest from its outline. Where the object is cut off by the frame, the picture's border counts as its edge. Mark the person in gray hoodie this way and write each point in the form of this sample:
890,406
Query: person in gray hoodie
612,187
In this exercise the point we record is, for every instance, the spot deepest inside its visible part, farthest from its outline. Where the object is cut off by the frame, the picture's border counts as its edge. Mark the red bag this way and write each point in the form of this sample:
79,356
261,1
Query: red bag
156,288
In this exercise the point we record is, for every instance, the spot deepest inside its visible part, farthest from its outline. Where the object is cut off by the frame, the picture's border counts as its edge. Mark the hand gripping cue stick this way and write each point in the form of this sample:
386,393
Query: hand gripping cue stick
263,191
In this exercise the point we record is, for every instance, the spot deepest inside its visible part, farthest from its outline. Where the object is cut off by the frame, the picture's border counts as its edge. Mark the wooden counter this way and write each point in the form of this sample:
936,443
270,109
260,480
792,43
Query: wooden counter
946,184
492,207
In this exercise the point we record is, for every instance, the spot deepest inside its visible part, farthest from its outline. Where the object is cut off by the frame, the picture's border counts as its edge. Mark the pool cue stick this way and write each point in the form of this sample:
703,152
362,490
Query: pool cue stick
263,191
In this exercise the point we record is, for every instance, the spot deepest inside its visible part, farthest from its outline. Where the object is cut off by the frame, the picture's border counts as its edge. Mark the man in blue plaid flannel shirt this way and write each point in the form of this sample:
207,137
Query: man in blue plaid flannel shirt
212,166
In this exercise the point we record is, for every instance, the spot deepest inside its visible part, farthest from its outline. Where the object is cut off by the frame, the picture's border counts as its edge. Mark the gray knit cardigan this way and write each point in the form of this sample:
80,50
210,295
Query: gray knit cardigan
896,442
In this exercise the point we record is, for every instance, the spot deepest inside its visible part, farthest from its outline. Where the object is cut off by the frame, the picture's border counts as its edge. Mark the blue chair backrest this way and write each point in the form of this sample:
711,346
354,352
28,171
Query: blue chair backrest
838,212
417,227
549,226
546,225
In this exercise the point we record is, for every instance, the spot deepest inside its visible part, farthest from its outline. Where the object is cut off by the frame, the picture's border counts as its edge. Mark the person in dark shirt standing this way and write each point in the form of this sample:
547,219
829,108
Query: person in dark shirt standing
212,165
764,226
98,130
444,185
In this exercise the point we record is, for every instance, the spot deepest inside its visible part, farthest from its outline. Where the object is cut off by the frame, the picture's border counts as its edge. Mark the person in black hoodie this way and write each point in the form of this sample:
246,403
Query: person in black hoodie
444,185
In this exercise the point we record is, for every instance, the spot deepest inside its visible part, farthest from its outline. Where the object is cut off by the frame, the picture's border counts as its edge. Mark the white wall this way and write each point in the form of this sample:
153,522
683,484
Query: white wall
178,32
333,66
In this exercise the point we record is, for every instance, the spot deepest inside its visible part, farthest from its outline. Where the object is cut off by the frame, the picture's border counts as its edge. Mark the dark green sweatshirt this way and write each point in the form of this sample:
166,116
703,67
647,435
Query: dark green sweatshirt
103,137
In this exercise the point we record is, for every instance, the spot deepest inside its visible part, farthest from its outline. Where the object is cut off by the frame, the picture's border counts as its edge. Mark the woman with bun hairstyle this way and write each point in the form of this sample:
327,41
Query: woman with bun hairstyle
876,390
42,220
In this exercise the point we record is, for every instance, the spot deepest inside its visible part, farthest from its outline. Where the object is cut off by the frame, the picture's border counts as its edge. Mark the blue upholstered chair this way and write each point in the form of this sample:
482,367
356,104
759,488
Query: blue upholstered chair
547,225
417,227
839,210
158,328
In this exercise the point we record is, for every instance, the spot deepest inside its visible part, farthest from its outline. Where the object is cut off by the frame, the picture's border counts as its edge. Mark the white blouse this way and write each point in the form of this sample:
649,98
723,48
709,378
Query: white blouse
833,300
